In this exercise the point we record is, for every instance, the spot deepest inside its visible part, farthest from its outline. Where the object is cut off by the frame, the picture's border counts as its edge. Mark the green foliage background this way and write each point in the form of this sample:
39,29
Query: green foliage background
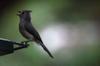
45,12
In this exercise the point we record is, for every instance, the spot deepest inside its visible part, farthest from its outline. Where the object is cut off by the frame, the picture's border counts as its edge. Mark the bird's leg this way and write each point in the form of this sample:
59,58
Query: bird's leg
21,45
25,42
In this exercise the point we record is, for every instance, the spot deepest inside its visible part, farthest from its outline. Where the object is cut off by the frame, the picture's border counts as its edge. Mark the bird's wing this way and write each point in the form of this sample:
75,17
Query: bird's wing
33,31
37,37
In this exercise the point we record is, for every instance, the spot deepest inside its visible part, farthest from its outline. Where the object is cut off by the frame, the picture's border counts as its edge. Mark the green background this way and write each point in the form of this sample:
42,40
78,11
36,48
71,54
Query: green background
45,12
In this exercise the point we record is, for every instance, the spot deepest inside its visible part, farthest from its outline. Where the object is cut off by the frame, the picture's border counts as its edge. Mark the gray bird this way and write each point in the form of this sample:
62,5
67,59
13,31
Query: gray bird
28,31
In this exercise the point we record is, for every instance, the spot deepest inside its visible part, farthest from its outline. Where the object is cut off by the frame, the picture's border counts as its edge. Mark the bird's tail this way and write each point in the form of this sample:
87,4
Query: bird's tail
44,47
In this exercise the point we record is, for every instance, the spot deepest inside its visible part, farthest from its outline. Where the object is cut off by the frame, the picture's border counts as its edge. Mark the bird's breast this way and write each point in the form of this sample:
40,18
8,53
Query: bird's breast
24,32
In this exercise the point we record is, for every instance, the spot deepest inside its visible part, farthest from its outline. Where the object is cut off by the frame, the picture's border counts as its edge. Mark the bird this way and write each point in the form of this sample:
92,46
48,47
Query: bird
28,31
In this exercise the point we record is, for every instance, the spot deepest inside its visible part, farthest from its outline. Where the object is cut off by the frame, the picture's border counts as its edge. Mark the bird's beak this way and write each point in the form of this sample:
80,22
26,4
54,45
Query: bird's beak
19,12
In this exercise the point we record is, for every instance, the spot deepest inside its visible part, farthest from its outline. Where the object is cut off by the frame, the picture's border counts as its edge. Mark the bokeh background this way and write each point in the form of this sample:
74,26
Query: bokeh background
69,28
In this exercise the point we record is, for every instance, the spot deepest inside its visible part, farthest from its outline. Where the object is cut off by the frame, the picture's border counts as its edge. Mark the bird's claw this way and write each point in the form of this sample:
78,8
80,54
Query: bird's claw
24,42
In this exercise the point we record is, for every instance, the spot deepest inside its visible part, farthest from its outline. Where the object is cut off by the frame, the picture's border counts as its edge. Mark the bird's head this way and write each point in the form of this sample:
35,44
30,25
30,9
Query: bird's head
24,13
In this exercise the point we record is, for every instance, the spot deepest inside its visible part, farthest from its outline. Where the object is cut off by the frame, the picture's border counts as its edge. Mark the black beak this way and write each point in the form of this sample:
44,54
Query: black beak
19,12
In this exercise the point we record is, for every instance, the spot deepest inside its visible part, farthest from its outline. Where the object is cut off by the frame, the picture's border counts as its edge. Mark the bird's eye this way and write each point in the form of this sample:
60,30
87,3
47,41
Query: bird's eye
23,12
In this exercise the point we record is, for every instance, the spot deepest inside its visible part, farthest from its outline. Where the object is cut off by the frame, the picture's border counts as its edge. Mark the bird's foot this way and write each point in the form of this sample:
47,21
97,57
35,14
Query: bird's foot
24,42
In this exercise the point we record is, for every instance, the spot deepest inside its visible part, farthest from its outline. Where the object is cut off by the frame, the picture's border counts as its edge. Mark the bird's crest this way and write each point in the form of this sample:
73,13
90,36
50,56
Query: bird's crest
23,11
